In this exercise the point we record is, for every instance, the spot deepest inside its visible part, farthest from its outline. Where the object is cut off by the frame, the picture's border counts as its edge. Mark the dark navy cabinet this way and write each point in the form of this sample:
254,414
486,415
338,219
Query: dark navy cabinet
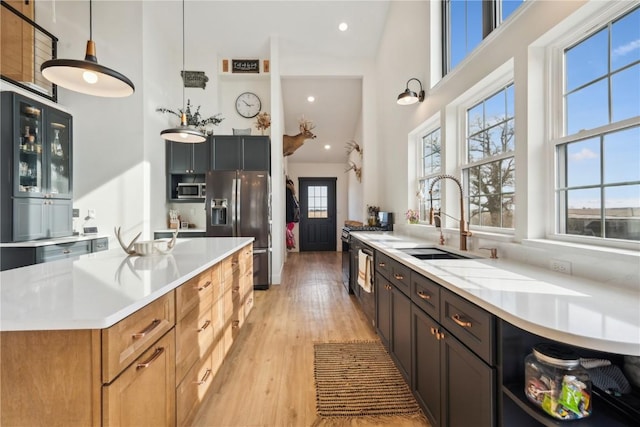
36,182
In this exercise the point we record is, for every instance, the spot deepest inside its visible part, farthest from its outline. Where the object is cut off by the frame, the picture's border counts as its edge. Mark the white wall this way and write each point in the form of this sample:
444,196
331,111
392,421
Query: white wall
323,170
404,53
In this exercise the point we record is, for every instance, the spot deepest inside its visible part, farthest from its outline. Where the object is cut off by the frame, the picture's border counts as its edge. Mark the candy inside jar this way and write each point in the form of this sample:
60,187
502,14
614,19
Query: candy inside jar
557,383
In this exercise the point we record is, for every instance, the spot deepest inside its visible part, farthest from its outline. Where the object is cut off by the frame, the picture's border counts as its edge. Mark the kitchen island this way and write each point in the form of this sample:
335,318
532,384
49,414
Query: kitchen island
454,321
111,339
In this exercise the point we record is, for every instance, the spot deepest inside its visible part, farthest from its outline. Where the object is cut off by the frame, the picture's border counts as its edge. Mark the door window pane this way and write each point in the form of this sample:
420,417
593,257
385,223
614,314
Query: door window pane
317,202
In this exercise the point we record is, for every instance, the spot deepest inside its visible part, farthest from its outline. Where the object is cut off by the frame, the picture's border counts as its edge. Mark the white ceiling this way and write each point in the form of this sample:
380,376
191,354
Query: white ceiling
303,28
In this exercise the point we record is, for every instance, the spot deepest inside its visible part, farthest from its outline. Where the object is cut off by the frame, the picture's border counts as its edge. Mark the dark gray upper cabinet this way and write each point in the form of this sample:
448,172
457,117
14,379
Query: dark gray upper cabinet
188,158
36,184
250,153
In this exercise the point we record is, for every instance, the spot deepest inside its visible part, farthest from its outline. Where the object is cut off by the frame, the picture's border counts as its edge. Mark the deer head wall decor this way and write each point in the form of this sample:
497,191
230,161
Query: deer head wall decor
291,143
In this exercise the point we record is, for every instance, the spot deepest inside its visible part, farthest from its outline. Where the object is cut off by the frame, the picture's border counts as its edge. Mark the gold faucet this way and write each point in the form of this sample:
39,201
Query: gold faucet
464,230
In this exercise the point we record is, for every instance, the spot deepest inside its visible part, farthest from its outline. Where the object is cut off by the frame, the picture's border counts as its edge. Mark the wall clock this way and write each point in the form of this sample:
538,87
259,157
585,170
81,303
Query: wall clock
248,105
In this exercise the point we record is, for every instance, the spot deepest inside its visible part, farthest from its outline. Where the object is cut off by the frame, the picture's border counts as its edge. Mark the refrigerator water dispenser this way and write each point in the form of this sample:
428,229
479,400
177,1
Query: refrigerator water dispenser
219,212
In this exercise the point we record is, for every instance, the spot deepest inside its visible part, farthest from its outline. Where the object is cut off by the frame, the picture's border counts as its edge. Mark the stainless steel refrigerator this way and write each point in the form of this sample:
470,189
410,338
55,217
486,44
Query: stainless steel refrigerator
238,204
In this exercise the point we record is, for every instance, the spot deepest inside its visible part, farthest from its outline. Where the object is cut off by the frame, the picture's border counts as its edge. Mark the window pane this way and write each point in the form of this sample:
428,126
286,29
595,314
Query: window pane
622,156
588,108
625,93
477,147
431,153
625,40
508,6
473,177
587,61
583,213
475,119
508,175
508,210
474,210
495,109
622,212
510,102
583,163
317,202
465,28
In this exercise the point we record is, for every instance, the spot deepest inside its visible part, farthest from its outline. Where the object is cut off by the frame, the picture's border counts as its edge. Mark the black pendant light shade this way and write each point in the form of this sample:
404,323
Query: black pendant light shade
409,97
87,76
183,133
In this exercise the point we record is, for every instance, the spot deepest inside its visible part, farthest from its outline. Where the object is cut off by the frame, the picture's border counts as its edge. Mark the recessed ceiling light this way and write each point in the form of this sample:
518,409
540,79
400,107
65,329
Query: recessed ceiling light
343,26
327,147
311,98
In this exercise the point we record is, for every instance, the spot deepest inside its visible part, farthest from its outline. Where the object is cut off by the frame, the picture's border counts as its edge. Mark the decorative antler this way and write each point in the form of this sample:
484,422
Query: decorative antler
356,169
305,125
352,145
148,247
127,249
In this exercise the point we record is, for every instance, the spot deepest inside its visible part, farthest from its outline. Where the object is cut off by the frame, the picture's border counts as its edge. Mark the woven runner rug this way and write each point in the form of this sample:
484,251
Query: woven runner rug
359,379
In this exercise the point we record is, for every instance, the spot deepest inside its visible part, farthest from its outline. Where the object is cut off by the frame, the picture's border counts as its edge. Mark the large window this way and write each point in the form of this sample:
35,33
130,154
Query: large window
467,22
430,153
490,168
598,155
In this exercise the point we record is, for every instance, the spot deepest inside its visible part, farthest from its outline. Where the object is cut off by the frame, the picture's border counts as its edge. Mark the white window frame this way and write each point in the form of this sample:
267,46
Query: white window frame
556,118
428,126
492,83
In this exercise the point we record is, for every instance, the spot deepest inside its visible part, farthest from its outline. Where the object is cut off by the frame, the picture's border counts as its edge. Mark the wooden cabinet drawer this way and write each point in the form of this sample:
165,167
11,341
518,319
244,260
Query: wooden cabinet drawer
425,294
197,291
246,258
145,393
470,324
231,264
382,264
128,339
194,338
192,390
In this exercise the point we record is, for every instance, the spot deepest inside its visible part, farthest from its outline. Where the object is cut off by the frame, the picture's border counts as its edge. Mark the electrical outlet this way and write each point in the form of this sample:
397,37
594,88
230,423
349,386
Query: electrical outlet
560,266
91,213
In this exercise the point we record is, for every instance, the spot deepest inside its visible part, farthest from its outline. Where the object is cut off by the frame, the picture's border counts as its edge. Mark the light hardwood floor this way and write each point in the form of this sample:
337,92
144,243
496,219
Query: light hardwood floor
267,379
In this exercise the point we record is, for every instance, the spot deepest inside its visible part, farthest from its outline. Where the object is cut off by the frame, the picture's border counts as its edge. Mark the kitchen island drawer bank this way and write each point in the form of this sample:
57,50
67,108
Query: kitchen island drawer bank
126,359
473,321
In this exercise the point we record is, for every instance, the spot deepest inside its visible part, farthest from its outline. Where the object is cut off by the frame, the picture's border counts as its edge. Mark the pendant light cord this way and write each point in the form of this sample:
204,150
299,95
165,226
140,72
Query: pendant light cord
183,107
90,20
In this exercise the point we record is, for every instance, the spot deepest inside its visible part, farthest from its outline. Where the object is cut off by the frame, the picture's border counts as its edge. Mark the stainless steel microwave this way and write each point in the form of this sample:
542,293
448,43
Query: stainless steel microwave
191,190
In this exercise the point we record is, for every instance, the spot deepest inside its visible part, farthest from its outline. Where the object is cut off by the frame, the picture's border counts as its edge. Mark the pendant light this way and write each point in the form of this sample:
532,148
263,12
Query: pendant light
87,76
183,133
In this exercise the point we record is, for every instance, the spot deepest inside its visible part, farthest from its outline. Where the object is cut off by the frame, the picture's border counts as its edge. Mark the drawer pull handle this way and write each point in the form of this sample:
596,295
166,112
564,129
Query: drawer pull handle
205,326
236,289
382,264
398,276
205,377
235,324
153,357
434,331
148,329
66,251
423,295
440,335
205,286
458,319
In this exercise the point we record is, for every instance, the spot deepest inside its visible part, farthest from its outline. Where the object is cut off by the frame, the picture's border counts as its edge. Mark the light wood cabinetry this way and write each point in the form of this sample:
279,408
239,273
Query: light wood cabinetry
153,368
144,393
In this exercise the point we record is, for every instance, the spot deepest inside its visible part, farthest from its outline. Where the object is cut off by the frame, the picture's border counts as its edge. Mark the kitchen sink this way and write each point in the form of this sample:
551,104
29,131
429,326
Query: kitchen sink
431,253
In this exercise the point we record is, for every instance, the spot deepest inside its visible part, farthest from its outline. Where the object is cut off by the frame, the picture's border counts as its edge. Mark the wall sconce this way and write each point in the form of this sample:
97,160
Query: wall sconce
409,97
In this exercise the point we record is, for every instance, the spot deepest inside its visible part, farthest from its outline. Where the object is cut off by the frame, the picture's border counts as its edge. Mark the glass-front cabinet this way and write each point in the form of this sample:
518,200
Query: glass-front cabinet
43,148
36,180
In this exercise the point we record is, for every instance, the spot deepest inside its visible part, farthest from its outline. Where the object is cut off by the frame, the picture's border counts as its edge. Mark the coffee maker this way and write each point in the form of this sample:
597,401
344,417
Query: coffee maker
385,220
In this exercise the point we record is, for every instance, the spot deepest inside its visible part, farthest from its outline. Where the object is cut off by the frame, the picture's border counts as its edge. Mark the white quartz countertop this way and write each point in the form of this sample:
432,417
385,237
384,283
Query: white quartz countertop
557,306
97,290
182,230
48,242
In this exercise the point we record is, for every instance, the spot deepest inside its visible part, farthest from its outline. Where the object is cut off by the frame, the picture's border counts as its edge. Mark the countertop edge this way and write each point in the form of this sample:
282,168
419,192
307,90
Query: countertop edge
569,337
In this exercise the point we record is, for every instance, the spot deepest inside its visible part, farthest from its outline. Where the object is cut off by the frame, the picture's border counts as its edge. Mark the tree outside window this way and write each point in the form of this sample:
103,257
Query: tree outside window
490,170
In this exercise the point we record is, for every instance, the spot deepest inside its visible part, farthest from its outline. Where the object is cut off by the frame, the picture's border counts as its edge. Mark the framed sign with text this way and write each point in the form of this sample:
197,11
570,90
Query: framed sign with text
245,66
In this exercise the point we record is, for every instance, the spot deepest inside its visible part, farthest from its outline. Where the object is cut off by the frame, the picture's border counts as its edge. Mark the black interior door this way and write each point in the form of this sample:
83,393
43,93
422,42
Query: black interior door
317,214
